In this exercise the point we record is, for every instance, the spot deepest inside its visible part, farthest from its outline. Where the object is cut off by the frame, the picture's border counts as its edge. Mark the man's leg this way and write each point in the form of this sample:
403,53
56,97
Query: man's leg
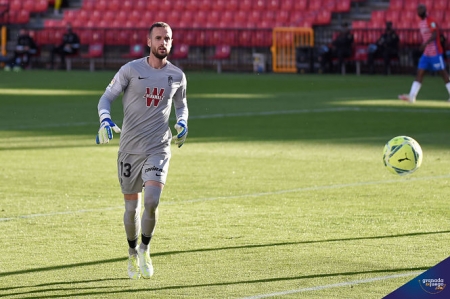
152,194
131,221
417,83
445,77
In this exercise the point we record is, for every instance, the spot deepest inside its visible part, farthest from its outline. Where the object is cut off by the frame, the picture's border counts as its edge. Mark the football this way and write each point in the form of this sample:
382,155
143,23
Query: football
402,155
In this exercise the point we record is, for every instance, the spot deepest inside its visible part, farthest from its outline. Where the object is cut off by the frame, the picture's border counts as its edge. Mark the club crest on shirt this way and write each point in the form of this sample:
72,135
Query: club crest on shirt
170,80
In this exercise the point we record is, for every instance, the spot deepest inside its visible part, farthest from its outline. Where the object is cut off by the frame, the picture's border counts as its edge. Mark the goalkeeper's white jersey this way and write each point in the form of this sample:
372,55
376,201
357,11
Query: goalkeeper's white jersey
147,102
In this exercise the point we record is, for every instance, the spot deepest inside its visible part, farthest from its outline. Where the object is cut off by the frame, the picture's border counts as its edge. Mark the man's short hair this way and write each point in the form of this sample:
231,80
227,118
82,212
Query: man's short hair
159,25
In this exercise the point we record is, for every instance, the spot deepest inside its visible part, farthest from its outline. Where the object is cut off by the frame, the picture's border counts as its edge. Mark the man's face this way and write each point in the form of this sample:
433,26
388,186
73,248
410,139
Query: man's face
421,11
160,42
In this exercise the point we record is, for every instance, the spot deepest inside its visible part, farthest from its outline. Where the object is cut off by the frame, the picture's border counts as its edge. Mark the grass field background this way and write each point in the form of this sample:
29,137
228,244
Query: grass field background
279,191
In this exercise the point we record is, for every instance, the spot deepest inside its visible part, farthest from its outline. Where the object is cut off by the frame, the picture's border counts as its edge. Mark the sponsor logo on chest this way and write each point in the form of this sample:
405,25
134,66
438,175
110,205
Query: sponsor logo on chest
153,96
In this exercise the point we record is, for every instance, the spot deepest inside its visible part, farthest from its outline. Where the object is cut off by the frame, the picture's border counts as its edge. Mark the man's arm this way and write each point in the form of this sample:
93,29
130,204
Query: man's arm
182,113
114,89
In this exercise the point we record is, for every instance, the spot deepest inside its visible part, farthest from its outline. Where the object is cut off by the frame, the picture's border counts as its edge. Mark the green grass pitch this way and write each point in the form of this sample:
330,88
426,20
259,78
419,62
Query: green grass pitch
279,191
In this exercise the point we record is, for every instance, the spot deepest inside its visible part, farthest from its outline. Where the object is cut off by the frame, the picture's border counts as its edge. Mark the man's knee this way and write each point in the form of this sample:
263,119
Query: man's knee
152,195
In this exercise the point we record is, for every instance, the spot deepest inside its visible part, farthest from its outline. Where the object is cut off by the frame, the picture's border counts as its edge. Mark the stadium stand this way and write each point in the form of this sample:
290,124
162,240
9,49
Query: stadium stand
202,25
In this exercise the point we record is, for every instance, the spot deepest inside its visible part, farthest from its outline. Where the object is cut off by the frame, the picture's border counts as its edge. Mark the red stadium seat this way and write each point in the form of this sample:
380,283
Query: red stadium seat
240,17
439,17
136,51
200,17
396,5
359,24
84,15
287,5
246,5
134,16
408,16
41,5
254,16
70,15
114,5
263,38
440,5
51,23
28,5
77,23
88,5
96,16
227,16
273,5
343,6
15,5
222,52
392,16
323,17
259,5
205,5
109,16
173,17
300,5
121,17
187,17
410,5
94,51
330,5
164,5
220,5
316,5
101,5
192,5
127,5
140,5
429,4
378,16
179,52
232,5
297,16
376,24
282,16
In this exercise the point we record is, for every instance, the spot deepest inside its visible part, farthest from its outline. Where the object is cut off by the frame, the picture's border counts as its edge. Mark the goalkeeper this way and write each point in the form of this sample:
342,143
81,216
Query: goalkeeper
149,85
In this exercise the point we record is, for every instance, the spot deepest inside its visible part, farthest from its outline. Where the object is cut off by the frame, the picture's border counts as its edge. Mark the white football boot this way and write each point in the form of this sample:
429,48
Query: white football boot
145,263
133,266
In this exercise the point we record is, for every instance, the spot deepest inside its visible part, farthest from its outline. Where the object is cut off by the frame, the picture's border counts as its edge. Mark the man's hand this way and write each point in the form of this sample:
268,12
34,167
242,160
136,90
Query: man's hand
182,131
105,133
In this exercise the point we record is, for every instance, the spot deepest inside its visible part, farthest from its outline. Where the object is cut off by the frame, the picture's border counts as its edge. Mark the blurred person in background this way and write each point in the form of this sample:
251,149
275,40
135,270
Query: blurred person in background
70,45
432,56
341,47
24,49
386,47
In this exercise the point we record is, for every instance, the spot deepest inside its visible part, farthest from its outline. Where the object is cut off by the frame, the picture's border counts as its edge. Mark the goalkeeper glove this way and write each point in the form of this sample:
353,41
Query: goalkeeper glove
182,131
105,133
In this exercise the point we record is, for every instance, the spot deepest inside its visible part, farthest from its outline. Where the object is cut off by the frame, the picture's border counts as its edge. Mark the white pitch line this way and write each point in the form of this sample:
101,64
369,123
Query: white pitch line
335,285
260,194
242,114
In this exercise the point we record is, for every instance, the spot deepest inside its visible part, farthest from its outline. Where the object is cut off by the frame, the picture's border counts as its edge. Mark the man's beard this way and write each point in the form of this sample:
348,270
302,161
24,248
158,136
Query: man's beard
159,56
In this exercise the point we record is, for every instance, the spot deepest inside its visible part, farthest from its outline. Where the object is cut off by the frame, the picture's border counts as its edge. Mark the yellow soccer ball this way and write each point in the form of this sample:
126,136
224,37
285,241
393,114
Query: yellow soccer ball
402,155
